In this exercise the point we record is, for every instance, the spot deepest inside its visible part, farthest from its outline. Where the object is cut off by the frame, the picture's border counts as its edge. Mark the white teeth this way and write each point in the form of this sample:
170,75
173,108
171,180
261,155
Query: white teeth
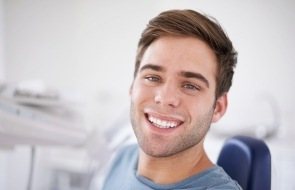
162,123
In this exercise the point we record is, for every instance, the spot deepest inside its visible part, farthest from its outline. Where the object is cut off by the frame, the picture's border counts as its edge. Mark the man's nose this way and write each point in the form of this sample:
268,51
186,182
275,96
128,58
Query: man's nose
167,95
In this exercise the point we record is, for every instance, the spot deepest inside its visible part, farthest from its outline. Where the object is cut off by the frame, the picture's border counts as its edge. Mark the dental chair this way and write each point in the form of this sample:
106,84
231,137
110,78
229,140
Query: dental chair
248,161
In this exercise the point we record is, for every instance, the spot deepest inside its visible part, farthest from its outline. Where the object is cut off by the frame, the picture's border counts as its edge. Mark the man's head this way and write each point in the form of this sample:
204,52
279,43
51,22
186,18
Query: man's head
184,68
193,24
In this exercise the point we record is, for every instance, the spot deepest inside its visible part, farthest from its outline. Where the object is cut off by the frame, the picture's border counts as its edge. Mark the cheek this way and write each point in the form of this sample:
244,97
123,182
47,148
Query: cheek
199,106
139,93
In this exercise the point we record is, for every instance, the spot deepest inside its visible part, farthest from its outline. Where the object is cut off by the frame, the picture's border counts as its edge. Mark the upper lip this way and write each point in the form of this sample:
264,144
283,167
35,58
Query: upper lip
166,117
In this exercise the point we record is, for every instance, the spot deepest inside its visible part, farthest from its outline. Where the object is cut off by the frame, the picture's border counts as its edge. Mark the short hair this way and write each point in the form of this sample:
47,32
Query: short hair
193,24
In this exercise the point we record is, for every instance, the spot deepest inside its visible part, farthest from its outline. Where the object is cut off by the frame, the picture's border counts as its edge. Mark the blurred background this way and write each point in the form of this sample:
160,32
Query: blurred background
65,71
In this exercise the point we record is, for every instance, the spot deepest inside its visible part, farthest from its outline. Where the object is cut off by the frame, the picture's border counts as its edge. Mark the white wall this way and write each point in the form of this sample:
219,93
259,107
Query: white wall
2,158
90,46
2,53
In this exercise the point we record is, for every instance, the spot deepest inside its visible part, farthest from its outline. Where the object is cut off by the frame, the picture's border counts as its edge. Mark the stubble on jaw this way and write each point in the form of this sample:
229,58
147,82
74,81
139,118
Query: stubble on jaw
180,144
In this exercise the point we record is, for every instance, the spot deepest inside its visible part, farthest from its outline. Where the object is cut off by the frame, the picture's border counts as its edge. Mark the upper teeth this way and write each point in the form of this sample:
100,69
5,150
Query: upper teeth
162,123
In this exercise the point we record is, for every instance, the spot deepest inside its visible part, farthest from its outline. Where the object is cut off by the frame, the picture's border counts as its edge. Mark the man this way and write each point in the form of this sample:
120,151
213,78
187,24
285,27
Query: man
183,71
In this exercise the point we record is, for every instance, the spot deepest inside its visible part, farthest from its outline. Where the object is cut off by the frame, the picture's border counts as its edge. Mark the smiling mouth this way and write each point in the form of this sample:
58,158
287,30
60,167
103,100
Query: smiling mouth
163,123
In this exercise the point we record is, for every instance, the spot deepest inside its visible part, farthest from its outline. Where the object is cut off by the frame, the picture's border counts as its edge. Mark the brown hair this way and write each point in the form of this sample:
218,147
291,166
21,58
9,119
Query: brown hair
193,24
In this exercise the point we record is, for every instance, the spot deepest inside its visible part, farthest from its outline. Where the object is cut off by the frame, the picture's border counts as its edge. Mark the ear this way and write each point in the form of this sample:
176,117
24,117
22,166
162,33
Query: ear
220,107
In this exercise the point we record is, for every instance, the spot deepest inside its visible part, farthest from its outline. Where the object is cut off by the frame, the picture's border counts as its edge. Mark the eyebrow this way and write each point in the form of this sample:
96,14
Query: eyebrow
152,67
198,76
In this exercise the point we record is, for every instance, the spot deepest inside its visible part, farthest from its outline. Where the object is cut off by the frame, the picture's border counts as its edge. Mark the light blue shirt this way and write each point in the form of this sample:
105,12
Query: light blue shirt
123,176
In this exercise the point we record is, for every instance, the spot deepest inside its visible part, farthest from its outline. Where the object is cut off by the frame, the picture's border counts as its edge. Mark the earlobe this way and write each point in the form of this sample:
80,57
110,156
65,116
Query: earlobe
220,107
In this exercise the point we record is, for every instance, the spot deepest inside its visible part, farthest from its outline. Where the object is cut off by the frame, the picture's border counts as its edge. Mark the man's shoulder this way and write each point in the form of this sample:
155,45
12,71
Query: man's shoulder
125,156
122,170
222,180
211,179
127,151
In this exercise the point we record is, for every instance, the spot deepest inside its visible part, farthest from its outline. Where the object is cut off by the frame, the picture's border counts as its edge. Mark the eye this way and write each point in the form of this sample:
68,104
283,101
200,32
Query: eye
190,86
152,78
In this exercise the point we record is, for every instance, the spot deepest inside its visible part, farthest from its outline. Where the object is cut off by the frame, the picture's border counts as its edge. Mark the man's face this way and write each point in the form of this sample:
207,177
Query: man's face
173,96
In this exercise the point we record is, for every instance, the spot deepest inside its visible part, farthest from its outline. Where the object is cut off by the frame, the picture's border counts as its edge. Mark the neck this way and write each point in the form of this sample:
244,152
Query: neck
172,169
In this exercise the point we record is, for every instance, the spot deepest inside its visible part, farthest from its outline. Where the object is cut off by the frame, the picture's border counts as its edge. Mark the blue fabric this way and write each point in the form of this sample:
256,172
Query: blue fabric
123,176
